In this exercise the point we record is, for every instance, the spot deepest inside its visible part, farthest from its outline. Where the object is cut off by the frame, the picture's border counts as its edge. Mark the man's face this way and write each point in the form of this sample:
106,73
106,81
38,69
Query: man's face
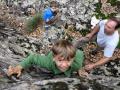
61,63
110,27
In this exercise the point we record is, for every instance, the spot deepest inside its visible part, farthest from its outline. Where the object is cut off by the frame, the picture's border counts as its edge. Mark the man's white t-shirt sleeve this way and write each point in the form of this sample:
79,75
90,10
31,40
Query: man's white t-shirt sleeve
109,50
100,23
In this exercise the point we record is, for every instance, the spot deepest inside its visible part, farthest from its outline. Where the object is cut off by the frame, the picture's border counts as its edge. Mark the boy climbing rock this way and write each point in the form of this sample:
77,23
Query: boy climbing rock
63,58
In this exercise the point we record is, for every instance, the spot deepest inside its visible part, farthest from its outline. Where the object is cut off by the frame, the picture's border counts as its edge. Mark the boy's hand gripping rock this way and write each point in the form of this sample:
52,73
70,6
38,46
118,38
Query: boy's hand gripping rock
14,70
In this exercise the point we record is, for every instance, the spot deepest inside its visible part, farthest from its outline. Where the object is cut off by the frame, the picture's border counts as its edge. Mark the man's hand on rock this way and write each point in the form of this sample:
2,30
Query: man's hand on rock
83,73
89,67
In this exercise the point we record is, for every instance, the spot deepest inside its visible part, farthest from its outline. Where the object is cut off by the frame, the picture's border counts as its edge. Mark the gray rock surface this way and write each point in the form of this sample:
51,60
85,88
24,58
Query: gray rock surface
75,11
14,47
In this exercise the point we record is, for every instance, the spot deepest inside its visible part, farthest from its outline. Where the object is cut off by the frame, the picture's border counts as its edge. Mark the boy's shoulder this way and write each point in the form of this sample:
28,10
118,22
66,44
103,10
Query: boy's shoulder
78,60
79,55
49,54
79,52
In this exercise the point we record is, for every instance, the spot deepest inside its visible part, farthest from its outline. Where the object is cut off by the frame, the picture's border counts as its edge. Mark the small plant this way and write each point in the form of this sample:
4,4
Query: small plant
33,23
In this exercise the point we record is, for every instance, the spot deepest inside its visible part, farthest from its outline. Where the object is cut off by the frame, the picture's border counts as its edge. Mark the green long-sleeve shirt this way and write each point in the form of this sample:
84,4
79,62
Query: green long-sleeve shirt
48,63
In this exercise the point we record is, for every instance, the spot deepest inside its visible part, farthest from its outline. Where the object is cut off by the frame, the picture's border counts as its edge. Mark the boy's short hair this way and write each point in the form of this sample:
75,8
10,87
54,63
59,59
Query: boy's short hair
65,49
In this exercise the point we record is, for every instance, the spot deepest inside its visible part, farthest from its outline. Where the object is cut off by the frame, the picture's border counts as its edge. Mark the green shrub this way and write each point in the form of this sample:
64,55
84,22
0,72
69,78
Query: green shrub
33,22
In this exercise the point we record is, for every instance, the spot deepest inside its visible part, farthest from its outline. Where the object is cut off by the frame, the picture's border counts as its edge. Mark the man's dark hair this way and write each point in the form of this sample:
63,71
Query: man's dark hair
117,20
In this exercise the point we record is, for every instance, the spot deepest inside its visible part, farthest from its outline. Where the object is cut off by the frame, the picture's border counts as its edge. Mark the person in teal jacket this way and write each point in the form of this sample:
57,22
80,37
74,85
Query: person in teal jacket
63,58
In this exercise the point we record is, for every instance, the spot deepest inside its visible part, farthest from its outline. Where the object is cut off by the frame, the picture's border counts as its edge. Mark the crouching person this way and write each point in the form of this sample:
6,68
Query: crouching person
51,14
63,58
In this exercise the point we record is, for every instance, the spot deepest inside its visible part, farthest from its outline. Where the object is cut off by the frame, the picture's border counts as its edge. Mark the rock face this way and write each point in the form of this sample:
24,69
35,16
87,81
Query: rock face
14,46
78,12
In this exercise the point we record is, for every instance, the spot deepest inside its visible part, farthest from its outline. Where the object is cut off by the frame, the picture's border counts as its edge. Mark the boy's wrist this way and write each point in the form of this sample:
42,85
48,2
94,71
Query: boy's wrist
19,67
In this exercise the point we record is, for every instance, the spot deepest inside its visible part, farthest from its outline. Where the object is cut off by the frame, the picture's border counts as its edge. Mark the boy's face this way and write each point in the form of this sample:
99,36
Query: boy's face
61,63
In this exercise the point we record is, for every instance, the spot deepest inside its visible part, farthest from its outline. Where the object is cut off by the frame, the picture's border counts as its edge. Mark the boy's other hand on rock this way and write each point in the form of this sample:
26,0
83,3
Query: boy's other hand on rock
14,70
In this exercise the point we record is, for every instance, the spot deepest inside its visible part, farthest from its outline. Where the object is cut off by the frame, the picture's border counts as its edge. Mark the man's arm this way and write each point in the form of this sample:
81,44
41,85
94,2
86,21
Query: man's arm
82,72
94,31
85,39
100,62
108,53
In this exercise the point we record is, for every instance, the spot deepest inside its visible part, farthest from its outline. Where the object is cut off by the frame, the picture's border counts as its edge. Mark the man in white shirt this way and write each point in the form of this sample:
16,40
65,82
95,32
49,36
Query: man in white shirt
107,38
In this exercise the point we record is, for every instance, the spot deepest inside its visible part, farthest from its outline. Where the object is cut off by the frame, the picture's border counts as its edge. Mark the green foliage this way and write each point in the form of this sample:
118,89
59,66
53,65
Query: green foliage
113,2
101,15
84,32
118,46
33,22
